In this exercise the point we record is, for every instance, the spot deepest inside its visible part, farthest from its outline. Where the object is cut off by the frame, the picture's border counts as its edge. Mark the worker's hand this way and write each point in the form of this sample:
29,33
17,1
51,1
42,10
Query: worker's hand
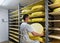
42,34
37,34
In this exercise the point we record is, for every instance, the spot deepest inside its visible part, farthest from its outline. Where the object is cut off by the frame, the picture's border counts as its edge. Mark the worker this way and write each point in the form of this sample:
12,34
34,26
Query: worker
25,28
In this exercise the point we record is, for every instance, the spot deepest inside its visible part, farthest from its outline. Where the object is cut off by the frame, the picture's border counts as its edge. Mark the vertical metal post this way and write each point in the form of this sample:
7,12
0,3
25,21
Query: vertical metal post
19,20
8,27
46,20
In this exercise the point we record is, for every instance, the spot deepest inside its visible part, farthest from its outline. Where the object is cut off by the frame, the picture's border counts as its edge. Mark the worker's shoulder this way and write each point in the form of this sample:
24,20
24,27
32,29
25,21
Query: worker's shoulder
24,24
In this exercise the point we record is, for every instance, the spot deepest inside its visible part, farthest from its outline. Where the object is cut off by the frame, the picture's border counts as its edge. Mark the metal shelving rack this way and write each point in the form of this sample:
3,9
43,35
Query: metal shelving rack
14,25
55,35
14,28
46,21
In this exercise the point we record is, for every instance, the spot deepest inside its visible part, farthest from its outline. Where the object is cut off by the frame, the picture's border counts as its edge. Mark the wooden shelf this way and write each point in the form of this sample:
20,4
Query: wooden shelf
14,15
13,22
57,29
14,35
54,41
54,20
54,36
55,13
14,19
14,32
14,29
14,12
13,25
14,39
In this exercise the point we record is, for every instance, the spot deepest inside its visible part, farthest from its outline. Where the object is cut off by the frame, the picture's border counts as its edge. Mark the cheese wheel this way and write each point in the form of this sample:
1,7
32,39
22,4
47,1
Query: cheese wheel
56,1
36,14
57,10
26,11
38,28
38,20
36,38
37,8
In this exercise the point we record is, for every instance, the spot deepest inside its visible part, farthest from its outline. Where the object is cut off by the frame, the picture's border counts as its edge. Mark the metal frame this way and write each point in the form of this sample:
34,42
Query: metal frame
46,20
8,23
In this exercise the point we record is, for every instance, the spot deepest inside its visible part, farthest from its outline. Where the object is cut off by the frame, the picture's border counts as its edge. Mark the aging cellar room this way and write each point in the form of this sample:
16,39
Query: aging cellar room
29,21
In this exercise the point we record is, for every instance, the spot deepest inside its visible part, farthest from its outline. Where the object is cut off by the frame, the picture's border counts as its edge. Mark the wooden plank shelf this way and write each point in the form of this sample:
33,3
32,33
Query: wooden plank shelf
14,25
14,19
14,29
16,15
14,35
14,39
57,29
54,20
14,32
55,13
14,12
54,36
13,22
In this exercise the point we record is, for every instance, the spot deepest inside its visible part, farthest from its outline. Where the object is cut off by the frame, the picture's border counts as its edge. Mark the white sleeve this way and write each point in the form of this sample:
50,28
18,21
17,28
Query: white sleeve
29,28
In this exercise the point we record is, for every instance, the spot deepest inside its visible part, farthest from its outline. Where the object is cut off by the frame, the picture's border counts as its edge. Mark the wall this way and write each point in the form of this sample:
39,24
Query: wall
3,24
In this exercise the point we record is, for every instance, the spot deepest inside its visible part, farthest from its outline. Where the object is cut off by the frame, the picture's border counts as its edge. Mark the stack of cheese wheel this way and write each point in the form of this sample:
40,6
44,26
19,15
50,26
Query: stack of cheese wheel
38,28
33,9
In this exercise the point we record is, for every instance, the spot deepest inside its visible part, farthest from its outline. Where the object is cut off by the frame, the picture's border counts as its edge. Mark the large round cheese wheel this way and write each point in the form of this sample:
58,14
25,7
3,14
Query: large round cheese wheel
38,28
56,1
36,14
57,10
38,20
26,11
37,8
56,4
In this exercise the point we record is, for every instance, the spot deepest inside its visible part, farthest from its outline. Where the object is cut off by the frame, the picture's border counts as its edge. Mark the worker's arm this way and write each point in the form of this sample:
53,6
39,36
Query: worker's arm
37,34
30,29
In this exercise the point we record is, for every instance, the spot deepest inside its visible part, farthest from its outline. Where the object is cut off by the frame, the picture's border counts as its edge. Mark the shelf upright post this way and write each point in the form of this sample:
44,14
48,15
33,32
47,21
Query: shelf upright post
46,21
19,21
8,27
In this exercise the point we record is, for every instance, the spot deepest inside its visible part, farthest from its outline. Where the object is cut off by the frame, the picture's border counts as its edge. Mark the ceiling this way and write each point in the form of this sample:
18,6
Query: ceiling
12,4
